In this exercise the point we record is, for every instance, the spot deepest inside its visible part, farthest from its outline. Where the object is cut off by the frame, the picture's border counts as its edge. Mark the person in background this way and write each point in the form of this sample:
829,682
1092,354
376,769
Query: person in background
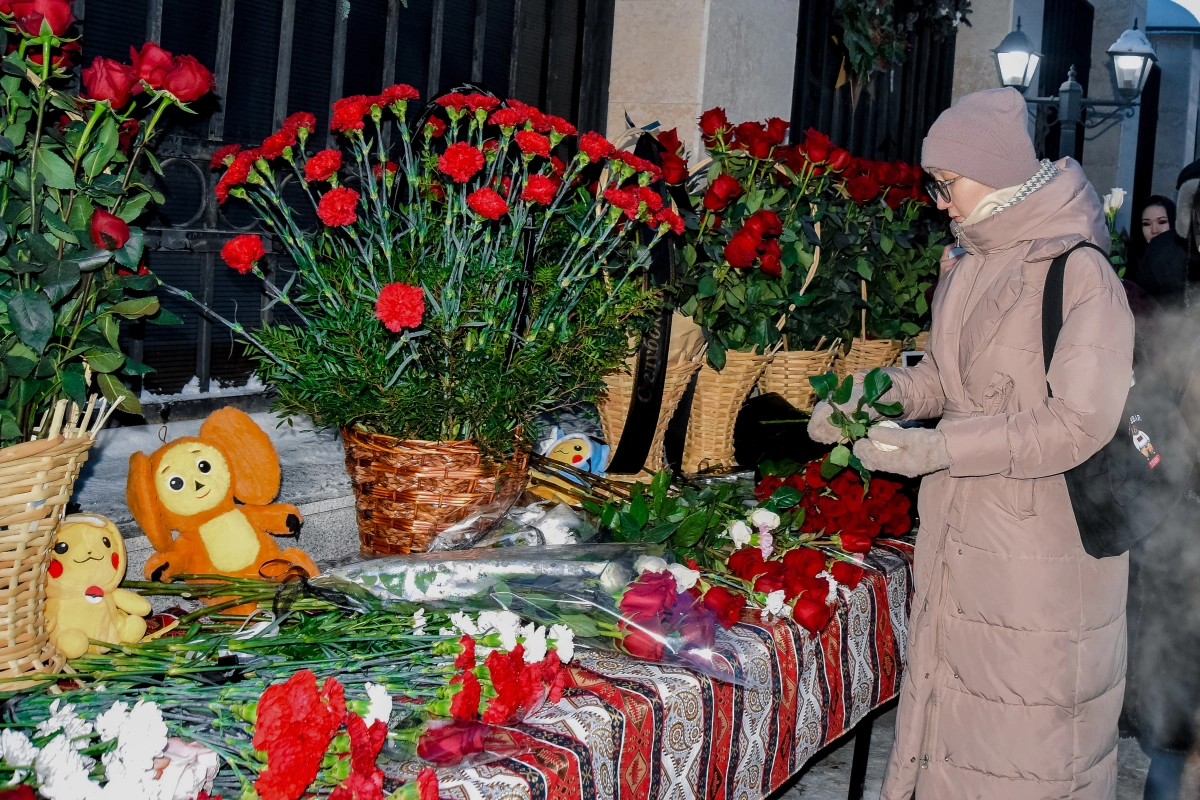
1187,219
1162,269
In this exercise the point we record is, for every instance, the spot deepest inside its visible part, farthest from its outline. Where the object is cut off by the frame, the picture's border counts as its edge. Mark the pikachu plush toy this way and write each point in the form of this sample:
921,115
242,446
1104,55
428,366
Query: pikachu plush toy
83,600
190,486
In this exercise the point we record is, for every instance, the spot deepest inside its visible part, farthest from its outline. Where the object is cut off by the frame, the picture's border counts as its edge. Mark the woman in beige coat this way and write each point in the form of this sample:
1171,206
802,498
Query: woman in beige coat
1016,650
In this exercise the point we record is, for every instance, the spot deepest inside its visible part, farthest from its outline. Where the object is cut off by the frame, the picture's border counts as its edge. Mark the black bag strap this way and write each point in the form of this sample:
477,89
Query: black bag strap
1052,303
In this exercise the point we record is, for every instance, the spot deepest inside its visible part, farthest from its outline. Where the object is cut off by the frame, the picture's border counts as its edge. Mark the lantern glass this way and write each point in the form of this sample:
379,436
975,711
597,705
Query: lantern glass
1130,70
1016,60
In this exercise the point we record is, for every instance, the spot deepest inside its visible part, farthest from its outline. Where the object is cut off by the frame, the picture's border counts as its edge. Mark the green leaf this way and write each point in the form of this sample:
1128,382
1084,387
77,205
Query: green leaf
81,213
58,228
164,317
20,361
106,146
707,287
691,530
842,395
840,455
864,269
8,425
920,305
73,383
885,244
785,497
56,171
101,359
660,533
133,208
137,307
41,250
823,385
111,329
135,368
875,385
112,388
130,255
911,328
716,355
31,317
689,255
889,409
58,279
829,469
6,145
637,505
91,259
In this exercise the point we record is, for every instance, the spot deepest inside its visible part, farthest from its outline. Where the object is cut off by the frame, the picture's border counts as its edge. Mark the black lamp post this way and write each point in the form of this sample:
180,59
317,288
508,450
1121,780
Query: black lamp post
1132,58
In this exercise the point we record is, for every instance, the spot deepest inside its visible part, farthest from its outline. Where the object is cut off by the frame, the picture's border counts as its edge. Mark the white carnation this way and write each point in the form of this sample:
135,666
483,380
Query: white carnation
684,578
419,622
505,623
649,564
66,720
17,749
564,642
143,736
535,643
761,518
380,707
775,602
108,724
62,772
739,533
464,623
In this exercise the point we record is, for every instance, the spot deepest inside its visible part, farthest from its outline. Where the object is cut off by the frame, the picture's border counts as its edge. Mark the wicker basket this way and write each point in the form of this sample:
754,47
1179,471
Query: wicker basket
868,354
613,407
407,492
36,481
788,373
715,405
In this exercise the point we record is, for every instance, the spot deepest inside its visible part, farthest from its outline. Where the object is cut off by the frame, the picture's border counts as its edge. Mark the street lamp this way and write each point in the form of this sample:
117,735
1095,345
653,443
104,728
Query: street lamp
1132,59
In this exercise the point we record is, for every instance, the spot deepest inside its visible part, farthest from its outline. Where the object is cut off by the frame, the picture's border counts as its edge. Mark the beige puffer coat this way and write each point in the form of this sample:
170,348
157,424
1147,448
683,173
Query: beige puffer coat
1016,655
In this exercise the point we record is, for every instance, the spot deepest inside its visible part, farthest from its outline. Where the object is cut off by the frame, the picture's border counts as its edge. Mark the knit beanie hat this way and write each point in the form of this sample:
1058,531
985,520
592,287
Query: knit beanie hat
985,137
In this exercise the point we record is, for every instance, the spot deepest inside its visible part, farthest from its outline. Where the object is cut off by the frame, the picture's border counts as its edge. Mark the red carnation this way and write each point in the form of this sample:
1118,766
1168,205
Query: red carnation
294,725
533,143
742,249
400,306
151,65
671,219
301,120
486,102
109,80
237,173
456,101
725,605
539,189
188,79
651,198
465,704
714,122
109,232
30,15
595,146
338,207
348,113
721,192
638,163
224,155
399,93
623,199
461,161
434,127
274,145
509,117
487,203
557,125
322,165
390,166
466,659
427,784
243,252
812,615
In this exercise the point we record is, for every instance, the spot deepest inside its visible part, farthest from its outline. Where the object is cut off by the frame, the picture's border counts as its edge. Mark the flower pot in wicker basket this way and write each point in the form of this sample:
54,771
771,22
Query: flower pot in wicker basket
868,354
36,481
788,373
408,491
715,405
613,407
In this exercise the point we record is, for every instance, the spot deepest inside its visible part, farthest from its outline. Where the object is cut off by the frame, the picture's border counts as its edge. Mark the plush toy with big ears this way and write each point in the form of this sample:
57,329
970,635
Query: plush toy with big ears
190,486
83,600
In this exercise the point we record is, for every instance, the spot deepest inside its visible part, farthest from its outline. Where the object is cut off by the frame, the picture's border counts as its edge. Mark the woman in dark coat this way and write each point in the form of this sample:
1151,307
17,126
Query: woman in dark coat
1162,269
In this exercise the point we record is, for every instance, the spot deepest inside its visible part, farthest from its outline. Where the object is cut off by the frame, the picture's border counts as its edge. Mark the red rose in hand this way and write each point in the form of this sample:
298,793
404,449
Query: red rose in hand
243,252
675,169
650,597
742,249
804,561
595,146
151,65
862,188
461,161
465,704
188,79
747,563
725,605
777,130
109,232
338,207
721,192
849,575
400,306
767,486
854,542
109,80
640,644
539,189
714,122
812,615
322,165
487,203
30,14
533,143
447,744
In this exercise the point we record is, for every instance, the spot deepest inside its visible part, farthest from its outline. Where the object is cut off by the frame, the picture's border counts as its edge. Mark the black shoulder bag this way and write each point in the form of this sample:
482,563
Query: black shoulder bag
1124,491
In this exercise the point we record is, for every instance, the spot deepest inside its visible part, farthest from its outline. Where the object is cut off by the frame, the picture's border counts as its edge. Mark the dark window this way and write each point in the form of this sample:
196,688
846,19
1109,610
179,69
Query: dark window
1066,43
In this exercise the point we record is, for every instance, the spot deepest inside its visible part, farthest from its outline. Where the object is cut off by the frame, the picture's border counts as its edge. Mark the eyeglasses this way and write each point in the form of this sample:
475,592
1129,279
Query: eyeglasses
939,190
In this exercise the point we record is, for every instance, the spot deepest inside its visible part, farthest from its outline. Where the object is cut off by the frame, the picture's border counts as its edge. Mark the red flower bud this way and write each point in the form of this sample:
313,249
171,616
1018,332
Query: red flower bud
109,232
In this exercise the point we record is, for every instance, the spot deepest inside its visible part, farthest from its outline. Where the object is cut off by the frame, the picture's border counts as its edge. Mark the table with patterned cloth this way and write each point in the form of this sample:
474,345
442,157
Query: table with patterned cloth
627,729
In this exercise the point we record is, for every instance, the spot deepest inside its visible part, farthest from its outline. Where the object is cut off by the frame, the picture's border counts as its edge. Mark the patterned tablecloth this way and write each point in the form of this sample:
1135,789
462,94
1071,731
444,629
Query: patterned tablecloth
626,729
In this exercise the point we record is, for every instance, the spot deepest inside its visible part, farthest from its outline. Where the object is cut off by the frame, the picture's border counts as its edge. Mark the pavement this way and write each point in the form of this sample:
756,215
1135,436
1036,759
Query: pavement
827,777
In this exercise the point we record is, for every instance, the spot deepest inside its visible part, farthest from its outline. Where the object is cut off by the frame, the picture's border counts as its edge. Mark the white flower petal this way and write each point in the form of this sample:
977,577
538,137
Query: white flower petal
564,642
739,533
108,724
762,518
464,623
775,602
685,578
16,748
534,644
649,564
381,704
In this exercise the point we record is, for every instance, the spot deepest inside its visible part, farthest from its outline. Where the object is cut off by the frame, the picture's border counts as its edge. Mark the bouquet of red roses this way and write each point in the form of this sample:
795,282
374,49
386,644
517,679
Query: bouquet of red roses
802,584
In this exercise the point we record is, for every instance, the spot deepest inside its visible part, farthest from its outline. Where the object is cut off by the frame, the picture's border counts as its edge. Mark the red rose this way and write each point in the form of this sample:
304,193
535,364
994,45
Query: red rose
322,165
274,145
400,306
301,121
742,249
770,262
30,14
487,203
675,168
640,644
670,140
224,155
151,65
671,219
777,130
752,136
854,542
862,188
399,93
812,615
804,561
109,232
767,486
348,113
764,223
796,584
126,133
721,192
698,626
714,122
747,563
465,704
725,605
188,79
447,744
839,159
650,597
539,189
22,792
243,252
817,146
849,575
338,207
595,146
109,80
461,161
770,581
533,143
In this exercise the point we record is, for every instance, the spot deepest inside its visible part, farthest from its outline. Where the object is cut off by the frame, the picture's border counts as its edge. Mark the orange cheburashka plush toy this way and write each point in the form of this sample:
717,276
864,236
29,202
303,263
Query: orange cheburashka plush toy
190,486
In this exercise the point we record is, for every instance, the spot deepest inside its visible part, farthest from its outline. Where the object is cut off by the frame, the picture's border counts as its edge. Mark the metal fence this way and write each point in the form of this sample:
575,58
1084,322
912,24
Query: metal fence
271,58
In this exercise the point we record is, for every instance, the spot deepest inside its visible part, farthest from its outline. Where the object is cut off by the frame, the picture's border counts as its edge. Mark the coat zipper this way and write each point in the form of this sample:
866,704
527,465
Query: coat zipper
931,706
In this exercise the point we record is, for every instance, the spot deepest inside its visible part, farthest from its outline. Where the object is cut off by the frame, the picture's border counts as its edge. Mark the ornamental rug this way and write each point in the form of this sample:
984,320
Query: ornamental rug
626,729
